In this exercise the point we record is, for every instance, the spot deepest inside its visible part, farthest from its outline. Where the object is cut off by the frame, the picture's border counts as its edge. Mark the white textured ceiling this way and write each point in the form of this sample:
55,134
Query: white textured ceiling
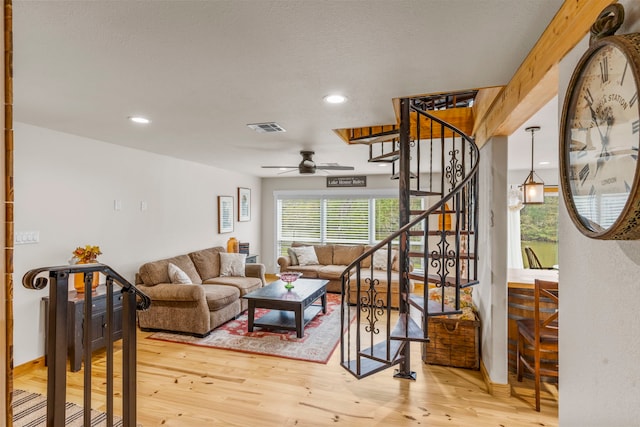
202,70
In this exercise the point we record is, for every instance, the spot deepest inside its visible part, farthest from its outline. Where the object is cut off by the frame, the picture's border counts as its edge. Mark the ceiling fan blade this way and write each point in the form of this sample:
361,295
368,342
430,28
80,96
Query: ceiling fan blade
336,168
289,171
279,167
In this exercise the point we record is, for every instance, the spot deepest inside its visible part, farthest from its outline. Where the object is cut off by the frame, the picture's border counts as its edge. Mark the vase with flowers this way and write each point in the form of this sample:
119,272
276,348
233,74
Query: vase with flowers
85,255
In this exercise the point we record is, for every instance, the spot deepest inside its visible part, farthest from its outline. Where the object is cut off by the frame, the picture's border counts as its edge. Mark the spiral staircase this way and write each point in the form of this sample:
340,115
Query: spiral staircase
436,164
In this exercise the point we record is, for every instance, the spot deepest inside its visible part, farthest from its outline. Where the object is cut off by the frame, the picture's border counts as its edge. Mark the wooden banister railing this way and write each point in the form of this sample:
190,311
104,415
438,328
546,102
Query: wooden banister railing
57,343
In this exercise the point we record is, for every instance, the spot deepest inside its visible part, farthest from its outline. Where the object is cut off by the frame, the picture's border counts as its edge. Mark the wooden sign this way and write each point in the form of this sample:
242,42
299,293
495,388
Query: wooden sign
347,181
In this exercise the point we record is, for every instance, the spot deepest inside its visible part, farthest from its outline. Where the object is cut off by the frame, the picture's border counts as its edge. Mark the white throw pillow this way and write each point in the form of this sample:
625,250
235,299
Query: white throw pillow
380,259
306,255
232,264
292,255
176,275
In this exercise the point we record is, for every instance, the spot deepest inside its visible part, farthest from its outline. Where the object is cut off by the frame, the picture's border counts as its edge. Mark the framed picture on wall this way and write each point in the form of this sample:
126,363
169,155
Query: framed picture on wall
225,214
244,204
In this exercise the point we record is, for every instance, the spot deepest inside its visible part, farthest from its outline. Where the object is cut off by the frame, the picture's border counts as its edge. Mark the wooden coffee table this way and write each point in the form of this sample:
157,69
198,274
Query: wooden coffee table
289,309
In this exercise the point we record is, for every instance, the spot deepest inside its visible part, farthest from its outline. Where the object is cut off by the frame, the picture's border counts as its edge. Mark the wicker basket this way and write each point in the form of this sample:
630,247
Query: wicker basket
453,342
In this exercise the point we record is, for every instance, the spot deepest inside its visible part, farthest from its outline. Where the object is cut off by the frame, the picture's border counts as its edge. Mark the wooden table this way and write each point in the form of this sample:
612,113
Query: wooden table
520,306
281,302
523,278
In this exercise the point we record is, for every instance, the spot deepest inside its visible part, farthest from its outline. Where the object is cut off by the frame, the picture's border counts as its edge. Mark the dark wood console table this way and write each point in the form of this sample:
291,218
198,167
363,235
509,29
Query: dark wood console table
97,325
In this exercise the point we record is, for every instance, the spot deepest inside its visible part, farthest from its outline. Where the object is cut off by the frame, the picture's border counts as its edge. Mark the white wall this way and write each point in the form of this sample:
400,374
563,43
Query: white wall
65,187
600,327
491,293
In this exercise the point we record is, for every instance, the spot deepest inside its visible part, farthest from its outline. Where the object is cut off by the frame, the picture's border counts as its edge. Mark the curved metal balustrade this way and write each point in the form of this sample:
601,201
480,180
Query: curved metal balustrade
436,245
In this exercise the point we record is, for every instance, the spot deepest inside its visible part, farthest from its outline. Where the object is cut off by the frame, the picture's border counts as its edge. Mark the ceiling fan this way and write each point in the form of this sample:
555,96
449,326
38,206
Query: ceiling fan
308,166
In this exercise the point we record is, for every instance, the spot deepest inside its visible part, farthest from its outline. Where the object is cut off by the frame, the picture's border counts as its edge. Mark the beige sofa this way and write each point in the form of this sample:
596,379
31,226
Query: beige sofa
332,261
196,308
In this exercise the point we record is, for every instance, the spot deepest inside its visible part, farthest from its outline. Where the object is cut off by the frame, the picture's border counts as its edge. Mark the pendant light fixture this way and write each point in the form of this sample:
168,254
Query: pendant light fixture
532,190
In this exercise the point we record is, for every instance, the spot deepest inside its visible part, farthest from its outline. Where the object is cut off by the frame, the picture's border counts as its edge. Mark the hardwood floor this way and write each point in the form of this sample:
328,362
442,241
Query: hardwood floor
181,385
184,385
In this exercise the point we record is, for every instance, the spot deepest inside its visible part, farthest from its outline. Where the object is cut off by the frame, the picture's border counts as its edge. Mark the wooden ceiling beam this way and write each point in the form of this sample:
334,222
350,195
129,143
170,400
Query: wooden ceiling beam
536,80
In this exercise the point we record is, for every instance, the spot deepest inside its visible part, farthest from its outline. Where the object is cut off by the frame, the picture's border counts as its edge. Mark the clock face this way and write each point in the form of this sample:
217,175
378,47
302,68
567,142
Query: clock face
601,134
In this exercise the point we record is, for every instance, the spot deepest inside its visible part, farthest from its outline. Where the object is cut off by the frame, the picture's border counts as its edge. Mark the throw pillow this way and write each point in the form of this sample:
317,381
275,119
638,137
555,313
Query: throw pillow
306,255
292,255
232,264
176,275
380,259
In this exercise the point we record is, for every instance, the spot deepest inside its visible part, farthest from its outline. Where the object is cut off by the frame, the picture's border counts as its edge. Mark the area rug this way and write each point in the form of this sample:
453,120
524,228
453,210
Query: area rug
321,336
30,410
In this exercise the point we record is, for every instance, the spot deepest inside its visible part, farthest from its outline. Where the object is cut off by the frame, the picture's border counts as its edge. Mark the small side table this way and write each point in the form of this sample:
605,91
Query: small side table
98,322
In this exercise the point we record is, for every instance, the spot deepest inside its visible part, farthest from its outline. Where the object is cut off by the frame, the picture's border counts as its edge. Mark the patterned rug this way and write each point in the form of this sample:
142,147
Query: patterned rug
321,336
30,410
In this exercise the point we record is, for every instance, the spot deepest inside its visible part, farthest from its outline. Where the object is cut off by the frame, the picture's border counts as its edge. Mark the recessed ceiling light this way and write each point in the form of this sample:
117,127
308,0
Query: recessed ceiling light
335,99
544,163
383,165
141,120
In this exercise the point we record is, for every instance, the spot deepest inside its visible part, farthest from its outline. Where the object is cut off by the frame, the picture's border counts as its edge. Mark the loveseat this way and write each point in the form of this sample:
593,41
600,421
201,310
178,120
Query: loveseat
332,260
195,293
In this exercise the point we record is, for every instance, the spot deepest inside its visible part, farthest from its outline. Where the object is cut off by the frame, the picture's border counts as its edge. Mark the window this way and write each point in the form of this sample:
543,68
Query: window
539,228
330,219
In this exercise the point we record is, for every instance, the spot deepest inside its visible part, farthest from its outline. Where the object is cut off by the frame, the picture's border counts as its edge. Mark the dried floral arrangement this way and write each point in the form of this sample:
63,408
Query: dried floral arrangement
85,255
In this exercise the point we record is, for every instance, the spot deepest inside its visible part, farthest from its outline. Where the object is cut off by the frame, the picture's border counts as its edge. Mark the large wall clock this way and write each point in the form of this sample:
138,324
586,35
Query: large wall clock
600,134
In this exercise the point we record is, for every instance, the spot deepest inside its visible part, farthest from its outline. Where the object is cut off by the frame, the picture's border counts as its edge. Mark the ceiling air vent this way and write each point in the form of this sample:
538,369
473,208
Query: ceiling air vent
269,127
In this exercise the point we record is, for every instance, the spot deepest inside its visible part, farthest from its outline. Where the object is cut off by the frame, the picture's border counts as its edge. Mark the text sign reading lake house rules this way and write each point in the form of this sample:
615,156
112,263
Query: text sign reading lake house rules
346,181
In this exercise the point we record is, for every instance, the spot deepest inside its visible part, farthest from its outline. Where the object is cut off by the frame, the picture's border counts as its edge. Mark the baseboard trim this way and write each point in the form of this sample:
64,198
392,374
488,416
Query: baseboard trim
26,367
494,389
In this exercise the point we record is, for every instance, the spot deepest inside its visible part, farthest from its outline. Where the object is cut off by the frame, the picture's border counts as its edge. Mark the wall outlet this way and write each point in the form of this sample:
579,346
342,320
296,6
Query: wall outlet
26,237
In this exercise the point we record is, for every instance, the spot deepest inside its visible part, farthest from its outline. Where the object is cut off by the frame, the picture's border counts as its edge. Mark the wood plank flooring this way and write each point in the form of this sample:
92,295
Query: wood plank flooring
183,385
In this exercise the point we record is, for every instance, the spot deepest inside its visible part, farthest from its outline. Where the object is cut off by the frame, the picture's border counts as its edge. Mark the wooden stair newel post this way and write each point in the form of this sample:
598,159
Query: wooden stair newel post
404,197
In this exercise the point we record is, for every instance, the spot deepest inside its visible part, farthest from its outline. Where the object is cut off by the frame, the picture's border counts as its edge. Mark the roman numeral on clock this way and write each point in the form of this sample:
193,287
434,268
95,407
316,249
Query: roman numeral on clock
604,70
633,99
584,173
635,126
588,97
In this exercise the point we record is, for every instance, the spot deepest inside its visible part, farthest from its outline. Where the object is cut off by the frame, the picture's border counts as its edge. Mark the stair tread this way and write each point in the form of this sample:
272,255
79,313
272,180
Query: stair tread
367,367
379,351
449,280
408,330
391,156
434,308
424,193
438,212
376,137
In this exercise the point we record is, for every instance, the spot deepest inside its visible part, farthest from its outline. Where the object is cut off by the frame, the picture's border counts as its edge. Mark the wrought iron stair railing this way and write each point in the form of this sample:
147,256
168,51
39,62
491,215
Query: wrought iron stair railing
436,246
56,351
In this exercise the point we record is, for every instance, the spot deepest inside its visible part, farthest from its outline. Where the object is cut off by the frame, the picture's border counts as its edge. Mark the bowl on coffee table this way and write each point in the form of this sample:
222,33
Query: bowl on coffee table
288,277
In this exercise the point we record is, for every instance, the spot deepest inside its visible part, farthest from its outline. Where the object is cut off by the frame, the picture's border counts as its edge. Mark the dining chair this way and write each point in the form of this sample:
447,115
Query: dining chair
539,336
533,260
